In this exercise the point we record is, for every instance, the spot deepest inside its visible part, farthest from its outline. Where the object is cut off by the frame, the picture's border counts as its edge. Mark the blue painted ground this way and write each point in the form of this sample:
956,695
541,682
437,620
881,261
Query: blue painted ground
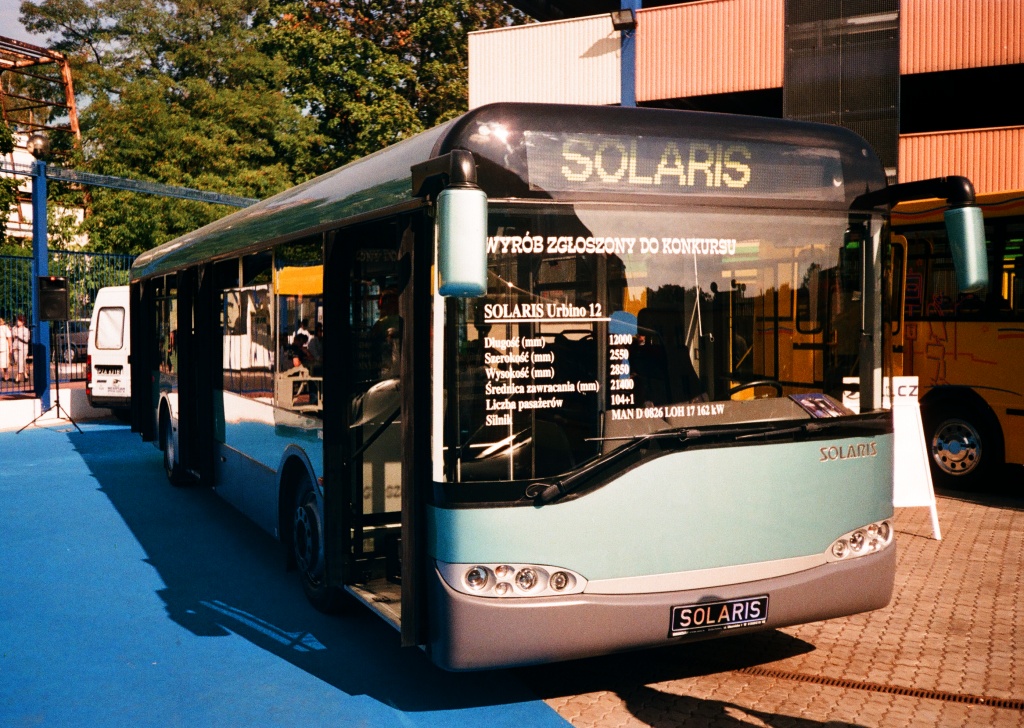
124,601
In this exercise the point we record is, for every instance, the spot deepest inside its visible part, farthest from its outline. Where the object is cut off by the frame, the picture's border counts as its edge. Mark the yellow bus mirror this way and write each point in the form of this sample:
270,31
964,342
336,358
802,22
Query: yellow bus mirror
966,230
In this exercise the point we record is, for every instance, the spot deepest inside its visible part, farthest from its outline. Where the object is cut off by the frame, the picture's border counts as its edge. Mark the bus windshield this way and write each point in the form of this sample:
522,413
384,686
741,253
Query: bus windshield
603,323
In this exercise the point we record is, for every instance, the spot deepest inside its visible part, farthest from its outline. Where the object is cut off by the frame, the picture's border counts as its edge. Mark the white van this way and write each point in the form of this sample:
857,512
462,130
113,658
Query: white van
108,371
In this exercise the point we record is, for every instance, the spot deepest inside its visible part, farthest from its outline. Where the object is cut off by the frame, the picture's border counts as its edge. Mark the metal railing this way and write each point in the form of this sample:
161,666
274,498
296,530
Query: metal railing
86,274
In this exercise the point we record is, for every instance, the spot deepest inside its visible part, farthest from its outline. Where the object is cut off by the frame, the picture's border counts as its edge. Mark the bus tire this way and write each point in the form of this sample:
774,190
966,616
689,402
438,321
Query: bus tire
965,444
307,534
171,465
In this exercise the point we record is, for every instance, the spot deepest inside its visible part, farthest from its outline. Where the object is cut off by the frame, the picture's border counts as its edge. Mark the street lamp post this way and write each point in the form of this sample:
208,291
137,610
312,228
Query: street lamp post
624,21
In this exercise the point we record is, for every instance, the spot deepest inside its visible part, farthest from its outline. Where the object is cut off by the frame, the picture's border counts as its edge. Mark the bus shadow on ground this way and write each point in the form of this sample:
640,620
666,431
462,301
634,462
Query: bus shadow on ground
224,576
622,672
1004,490
660,709
642,679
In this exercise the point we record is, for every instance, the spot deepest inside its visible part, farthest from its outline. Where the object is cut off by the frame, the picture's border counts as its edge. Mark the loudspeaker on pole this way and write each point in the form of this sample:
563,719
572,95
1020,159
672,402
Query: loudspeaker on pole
53,299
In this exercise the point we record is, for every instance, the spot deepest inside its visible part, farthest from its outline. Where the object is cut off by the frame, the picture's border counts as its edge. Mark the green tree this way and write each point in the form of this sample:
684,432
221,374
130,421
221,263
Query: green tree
373,72
179,93
248,97
8,185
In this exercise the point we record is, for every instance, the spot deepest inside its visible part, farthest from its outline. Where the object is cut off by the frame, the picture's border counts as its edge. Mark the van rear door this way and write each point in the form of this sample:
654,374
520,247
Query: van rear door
108,382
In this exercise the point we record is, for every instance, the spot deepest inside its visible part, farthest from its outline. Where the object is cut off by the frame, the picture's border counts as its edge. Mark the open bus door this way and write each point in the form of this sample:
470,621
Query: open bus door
374,470
198,348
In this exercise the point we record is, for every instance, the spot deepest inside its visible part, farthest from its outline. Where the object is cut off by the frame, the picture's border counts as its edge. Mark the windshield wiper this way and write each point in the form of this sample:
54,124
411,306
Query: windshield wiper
563,486
550,492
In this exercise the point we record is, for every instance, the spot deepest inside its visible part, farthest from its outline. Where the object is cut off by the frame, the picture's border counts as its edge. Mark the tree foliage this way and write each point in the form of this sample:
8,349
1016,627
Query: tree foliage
8,185
373,72
247,97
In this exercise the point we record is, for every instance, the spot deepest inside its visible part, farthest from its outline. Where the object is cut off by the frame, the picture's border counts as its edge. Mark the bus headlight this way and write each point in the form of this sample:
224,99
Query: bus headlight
862,541
511,580
857,541
526,579
559,581
885,531
476,578
840,547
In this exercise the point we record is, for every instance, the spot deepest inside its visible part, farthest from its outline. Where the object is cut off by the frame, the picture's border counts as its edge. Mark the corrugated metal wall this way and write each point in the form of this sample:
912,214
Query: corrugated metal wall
716,46
722,46
711,47
945,35
572,62
993,159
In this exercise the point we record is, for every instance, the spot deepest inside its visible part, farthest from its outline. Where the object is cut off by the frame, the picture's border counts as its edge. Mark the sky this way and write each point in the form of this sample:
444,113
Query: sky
10,27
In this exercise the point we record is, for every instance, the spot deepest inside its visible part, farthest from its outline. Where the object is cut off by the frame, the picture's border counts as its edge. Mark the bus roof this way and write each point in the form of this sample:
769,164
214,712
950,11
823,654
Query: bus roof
520,149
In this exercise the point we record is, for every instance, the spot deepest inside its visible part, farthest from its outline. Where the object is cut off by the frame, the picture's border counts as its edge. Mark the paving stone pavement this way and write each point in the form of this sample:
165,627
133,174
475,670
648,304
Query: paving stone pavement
954,631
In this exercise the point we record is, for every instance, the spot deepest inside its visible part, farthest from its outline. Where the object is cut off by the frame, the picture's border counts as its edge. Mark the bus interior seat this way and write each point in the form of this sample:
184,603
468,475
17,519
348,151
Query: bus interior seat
661,359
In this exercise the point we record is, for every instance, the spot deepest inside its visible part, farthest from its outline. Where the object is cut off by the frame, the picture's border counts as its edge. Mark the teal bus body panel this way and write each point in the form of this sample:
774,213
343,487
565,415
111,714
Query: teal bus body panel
253,441
266,444
685,511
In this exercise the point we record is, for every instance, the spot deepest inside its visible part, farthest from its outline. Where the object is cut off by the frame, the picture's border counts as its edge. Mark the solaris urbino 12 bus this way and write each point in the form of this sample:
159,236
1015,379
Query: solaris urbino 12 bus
547,382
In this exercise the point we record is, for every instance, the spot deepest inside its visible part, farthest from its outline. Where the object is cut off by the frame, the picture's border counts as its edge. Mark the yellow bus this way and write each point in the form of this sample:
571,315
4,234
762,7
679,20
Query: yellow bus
966,350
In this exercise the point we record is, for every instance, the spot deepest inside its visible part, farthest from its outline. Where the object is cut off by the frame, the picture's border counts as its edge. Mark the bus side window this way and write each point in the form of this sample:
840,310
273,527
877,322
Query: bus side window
167,325
231,321
299,331
1016,288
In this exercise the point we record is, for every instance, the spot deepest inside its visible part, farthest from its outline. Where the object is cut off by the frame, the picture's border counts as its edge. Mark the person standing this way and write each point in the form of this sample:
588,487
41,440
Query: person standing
5,348
315,348
20,337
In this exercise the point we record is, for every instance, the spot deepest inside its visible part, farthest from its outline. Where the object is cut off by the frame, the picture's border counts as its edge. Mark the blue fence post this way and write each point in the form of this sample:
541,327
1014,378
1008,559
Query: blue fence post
40,267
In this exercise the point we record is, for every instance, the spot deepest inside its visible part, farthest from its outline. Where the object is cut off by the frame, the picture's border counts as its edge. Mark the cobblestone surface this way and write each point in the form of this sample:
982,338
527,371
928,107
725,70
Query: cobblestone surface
955,625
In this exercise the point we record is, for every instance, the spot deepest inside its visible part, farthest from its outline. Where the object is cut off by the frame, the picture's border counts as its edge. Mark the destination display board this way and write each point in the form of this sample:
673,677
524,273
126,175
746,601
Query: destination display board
622,163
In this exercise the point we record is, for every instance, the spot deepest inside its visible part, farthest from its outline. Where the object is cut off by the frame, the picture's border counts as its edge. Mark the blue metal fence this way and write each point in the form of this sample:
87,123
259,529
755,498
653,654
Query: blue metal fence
86,274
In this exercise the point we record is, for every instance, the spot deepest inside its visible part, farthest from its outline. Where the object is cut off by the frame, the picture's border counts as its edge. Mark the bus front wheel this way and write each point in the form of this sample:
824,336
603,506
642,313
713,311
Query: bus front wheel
964,446
308,549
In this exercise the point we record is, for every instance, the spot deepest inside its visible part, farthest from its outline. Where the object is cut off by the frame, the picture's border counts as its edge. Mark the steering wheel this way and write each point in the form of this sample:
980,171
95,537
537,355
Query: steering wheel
777,386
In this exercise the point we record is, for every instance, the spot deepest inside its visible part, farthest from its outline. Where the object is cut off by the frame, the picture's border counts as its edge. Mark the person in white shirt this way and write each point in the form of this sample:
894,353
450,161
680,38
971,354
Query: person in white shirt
20,338
5,348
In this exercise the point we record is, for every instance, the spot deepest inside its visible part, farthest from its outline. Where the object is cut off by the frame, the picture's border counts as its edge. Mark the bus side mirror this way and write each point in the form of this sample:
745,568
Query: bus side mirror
965,228
461,234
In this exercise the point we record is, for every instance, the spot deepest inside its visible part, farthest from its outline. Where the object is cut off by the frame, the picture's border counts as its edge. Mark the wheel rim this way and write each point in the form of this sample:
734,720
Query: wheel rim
306,533
956,447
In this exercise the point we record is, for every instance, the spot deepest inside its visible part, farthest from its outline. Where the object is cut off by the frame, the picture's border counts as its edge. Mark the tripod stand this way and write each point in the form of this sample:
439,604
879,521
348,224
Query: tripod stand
56,406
